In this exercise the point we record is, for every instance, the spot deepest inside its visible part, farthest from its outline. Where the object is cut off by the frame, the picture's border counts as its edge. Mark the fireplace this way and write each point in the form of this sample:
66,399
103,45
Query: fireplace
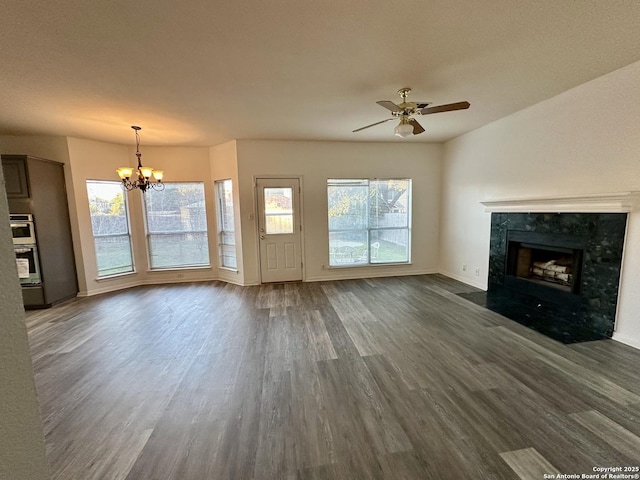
557,273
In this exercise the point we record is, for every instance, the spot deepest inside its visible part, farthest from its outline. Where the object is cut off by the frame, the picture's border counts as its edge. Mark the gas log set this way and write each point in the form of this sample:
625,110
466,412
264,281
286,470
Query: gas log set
555,271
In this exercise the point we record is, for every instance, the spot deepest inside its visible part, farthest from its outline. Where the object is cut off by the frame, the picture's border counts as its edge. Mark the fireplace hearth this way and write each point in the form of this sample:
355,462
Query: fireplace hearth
557,273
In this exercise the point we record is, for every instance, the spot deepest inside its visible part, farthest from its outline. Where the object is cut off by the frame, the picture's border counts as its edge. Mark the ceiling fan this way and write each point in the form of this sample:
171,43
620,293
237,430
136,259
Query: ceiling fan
406,110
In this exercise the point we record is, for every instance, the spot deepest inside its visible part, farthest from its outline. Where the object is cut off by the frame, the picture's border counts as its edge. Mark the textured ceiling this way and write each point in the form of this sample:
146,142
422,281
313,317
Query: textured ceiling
205,72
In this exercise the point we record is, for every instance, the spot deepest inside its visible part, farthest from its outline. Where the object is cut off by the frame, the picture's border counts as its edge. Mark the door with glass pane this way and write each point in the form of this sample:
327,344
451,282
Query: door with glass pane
279,229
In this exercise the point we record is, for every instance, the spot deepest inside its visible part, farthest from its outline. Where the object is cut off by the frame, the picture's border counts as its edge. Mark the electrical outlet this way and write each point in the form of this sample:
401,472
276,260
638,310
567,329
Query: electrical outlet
464,267
477,272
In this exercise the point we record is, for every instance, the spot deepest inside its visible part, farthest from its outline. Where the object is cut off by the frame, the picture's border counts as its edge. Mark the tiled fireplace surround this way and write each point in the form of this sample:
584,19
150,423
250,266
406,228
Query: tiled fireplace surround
583,312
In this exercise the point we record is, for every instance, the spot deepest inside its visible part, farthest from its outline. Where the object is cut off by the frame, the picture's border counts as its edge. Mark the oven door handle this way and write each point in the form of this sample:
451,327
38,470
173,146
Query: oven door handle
19,225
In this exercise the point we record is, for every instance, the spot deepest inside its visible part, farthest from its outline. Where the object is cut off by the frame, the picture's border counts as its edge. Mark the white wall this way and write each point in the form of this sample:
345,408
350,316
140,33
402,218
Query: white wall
22,453
315,162
583,141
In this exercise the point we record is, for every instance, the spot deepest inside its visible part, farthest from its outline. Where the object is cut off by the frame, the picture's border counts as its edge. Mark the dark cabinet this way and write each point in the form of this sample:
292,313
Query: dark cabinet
37,186
14,168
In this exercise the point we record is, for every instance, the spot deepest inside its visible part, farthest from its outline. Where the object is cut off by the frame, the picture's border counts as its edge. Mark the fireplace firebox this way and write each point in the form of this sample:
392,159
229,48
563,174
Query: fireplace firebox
545,260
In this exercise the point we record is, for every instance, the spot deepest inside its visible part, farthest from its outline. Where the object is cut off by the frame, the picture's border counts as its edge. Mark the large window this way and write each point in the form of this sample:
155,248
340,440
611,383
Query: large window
226,230
369,221
177,226
110,225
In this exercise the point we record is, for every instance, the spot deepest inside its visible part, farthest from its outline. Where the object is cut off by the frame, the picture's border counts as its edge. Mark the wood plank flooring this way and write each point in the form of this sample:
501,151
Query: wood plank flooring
391,378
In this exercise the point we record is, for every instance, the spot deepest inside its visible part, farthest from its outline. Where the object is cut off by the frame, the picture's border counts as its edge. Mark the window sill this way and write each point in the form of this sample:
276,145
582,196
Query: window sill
115,276
178,269
228,269
365,265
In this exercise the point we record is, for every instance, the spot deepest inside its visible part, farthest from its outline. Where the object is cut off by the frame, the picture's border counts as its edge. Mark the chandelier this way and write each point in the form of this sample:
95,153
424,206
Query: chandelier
141,179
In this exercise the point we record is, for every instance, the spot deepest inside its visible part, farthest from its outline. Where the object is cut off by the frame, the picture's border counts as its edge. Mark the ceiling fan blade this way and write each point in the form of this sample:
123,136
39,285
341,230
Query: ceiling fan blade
445,108
417,128
373,124
389,105
421,105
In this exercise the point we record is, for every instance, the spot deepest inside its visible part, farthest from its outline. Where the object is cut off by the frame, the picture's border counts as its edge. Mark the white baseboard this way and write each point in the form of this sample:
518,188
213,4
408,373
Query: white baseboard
348,274
112,288
469,281
337,274
232,282
159,281
168,281
627,340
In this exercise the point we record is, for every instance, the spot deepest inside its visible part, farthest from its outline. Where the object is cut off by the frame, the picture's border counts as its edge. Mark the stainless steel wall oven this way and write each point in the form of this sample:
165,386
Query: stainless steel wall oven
28,264
22,229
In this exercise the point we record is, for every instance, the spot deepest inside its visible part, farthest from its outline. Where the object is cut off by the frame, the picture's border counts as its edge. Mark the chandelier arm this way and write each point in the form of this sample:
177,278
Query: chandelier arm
127,185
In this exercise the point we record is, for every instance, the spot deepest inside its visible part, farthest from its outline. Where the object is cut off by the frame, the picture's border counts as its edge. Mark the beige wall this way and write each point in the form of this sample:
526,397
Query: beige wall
315,162
224,166
22,453
180,164
243,161
51,148
91,160
584,141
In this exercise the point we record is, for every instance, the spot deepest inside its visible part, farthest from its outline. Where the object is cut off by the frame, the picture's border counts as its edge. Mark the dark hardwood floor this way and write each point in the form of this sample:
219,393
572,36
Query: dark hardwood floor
393,378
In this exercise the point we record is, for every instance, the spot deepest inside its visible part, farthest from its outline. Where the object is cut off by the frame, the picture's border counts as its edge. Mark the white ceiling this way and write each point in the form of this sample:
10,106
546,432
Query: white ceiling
204,72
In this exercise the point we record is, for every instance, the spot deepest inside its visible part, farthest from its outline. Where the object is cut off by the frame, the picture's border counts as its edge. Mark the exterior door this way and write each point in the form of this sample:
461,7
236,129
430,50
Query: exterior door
279,229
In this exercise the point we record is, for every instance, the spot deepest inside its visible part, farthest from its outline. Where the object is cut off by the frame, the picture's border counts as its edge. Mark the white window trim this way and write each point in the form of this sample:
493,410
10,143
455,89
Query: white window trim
128,234
369,229
218,186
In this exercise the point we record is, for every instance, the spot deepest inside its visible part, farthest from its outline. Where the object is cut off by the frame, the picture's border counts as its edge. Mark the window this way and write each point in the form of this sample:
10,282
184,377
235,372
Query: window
177,226
110,225
278,210
369,221
226,230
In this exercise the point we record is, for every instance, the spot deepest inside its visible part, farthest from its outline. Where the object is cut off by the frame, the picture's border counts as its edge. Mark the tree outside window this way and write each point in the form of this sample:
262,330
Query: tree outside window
110,227
176,221
369,221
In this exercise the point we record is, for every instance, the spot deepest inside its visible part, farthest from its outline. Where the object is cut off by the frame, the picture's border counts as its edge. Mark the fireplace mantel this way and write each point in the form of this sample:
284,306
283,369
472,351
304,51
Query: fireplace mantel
621,202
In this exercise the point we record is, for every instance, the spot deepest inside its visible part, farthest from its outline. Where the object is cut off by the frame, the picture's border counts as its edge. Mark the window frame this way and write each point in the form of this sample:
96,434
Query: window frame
367,230
149,234
224,248
131,269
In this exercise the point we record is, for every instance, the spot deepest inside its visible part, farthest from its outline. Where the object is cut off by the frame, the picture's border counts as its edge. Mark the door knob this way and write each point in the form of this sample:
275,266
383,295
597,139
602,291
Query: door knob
262,237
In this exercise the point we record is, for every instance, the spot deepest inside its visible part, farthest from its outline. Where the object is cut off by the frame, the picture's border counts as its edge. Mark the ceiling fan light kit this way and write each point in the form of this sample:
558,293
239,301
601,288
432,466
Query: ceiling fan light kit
406,110
403,129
